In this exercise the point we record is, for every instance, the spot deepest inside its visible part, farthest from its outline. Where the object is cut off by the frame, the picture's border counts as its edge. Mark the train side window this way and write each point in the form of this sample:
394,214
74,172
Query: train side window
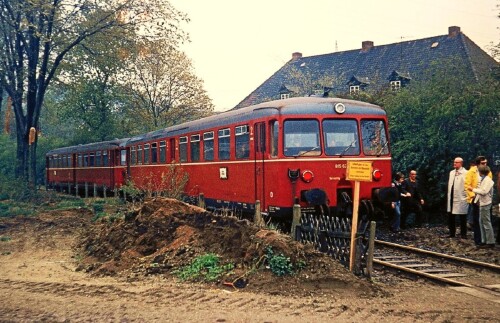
146,154
195,148
64,161
224,144
105,159
133,156
80,160
183,149
86,160
91,160
274,138
373,133
123,157
340,137
98,158
163,151
242,141
154,153
208,146
139,155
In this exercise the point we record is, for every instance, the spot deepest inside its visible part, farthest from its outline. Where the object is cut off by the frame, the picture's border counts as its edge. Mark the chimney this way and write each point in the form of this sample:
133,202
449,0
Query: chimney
366,45
296,56
453,31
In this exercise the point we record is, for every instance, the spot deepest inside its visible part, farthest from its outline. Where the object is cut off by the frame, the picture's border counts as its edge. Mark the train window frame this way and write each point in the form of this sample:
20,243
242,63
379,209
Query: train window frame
146,153
139,154
223,141
208,146
345,138
133,155
194,145
183,149
163,151
295,143
242,142
154,152
375,144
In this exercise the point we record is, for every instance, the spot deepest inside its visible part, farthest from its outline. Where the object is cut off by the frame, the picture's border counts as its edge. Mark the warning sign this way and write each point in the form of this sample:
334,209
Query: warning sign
359,171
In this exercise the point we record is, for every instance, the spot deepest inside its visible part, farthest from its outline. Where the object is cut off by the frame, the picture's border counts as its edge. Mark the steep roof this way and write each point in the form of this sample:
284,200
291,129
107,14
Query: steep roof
375,66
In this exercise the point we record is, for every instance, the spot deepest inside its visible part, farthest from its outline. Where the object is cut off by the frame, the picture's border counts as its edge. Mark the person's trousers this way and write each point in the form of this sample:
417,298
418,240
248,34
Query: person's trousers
452,225
475,223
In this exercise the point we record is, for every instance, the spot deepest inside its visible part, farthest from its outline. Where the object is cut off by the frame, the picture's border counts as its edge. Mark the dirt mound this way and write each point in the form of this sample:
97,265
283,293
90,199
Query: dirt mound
165,235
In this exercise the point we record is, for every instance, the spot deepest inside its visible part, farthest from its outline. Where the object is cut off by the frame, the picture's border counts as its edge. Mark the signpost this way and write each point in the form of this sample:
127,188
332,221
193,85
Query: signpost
357,171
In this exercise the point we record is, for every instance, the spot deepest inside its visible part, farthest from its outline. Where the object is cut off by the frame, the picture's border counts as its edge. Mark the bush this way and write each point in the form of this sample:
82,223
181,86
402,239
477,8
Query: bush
206,267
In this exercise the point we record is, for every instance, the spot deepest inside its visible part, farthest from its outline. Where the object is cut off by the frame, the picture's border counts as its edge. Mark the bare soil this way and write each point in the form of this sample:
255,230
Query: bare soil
60,266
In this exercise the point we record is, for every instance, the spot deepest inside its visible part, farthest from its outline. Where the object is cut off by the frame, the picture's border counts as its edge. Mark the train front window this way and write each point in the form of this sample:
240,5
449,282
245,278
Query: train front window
374,136
341,137
301,138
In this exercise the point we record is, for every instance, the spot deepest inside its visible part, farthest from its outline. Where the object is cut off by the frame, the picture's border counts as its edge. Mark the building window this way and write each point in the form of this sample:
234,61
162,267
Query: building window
208,145
354,89
224,144
285,96
183,149
242,142
195,148
395,85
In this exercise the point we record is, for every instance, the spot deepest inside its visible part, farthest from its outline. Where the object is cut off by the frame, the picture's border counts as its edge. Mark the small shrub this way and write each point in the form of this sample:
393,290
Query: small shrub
206,267
4,238
281,265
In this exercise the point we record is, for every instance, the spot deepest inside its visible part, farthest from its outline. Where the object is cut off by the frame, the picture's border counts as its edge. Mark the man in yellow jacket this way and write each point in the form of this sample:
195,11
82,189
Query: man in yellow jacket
471,182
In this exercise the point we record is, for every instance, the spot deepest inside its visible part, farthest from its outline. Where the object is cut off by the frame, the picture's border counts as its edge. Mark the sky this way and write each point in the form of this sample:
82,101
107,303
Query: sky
236,45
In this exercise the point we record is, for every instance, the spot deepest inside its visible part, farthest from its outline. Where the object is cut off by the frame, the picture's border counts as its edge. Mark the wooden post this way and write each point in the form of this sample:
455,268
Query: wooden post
115,192
104,191
69,188
371,249
76,189
295,220
201,200
354,225
95,190
86,190
257,217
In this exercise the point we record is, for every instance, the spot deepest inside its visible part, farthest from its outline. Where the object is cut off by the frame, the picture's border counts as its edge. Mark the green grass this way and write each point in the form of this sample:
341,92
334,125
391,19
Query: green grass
204,268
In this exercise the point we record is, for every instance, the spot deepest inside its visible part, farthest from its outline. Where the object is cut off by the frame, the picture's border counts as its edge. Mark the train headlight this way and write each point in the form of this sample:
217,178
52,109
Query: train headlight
307,176
339,108
377,175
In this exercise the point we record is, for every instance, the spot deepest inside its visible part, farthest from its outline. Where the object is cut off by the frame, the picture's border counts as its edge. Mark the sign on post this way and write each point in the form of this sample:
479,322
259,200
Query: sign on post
357,171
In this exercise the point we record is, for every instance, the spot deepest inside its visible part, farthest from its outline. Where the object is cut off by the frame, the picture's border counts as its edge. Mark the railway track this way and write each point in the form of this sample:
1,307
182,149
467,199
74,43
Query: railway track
457,272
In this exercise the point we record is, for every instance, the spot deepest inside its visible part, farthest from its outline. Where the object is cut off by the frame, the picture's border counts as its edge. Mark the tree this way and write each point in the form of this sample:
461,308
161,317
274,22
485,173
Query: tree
38,35
164,88
432,122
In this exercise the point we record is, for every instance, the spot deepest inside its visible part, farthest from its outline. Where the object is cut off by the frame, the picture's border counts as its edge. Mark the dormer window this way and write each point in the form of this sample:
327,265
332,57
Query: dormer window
354,89
284,96
395,85
284,92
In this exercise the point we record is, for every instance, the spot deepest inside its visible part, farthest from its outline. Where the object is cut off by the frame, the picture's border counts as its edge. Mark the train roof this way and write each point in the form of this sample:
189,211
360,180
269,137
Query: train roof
103,145
292,106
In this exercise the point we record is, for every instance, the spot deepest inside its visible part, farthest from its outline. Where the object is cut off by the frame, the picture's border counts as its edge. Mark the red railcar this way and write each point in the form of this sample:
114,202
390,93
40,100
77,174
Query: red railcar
102,164
279,153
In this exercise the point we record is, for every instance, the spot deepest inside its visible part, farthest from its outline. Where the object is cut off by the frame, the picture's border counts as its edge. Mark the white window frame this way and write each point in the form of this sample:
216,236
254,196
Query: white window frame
354,89
395,85
284,96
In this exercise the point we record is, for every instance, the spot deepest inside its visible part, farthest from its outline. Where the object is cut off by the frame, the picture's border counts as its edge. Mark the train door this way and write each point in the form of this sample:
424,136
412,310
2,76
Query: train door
260,150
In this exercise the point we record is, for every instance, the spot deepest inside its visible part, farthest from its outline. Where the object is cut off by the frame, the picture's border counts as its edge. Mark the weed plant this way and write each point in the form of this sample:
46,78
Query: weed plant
206,267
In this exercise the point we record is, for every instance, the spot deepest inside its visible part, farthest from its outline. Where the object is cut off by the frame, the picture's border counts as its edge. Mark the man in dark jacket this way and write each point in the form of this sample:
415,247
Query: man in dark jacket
413,203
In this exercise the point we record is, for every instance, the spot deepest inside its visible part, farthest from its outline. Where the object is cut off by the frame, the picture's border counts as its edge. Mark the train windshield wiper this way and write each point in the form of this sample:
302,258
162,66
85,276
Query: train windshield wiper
382,149
347,148
307,151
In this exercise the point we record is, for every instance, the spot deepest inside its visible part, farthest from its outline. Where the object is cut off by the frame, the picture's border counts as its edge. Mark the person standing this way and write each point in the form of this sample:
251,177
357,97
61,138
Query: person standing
397,183
414,201
483,199
472,181
457,198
